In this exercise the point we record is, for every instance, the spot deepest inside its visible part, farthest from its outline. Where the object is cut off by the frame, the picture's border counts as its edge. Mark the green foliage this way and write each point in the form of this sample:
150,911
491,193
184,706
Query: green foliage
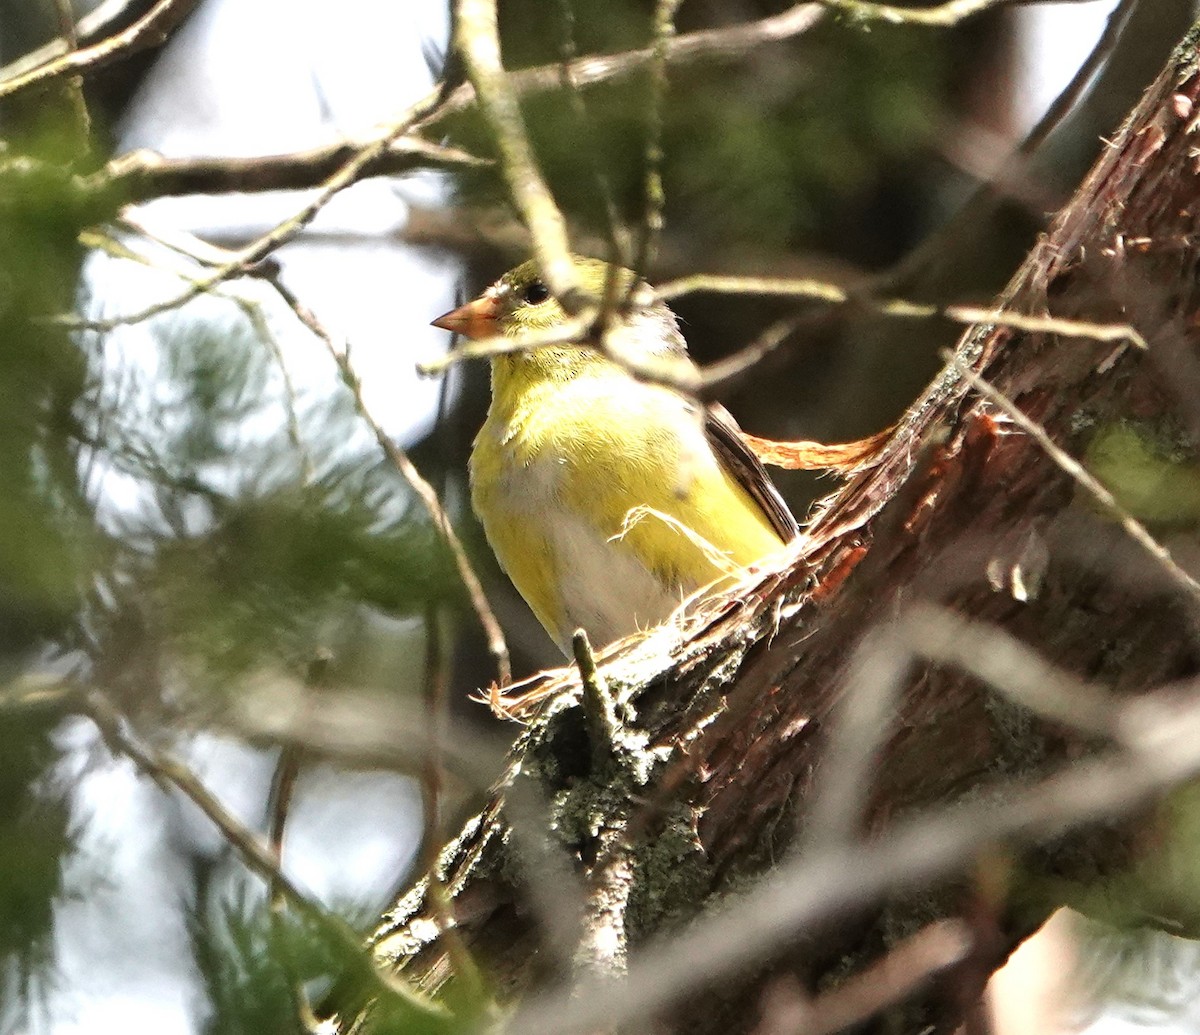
256,963
264,969
1148,477
238,555
779,149
228,550
34,835
43,522
272,571
46,536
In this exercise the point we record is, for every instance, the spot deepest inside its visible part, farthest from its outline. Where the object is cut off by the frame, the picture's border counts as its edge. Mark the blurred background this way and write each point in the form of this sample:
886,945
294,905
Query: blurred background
197,520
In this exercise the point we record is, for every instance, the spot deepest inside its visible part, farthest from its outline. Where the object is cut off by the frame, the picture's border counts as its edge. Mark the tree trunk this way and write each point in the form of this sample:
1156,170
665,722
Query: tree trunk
701,759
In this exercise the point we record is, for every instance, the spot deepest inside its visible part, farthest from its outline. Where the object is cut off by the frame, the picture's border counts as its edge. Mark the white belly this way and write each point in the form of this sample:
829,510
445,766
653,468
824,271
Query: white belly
604,588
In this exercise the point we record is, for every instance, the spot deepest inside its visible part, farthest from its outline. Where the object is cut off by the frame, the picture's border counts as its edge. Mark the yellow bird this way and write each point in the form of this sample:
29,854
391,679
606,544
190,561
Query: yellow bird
607,499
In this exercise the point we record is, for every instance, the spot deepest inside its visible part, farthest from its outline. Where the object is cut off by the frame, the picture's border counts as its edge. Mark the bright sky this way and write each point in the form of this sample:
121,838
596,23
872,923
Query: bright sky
1055,39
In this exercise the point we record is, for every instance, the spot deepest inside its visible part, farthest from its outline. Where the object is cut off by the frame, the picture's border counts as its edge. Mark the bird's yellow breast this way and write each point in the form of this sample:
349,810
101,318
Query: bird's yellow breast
603,499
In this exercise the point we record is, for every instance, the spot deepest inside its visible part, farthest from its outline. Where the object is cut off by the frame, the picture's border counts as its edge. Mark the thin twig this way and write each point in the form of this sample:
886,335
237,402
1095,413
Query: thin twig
579,109
571,330
716,377
824,291
204,253
950,13
1011,668
287,769
425,492
151,30
1085,480
868,700
74,85
878,671
469,982
477,38
972,211
726,42
169,772
279,806
100,22
906,969
598,711
260,248
709,381
262,328
357,729
655,198
141,175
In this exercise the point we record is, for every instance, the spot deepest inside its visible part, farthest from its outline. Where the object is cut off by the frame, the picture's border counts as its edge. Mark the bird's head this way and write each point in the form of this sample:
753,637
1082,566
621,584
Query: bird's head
520,303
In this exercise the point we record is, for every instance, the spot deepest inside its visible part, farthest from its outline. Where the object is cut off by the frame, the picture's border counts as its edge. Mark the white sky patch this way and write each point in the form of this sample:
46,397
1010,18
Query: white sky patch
256,77
1054,41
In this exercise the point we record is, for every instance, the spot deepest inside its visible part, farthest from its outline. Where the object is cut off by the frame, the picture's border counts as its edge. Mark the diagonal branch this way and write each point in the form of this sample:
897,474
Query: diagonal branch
245,259
478,40
151,30
169,772
408,470
825,884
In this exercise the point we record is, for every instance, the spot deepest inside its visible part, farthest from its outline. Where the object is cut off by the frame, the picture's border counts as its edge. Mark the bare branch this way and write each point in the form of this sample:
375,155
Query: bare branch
655,199
950,13
425,492
354,728
169,772
579,109
142,175
151,30
260,248
967,216
877,675
74,85
715,377
823,291
106,18
1086,481
478,40
694,46
436,682
903,971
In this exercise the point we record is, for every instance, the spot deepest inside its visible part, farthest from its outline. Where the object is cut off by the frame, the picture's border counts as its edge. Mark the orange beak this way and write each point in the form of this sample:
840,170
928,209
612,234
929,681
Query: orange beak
474,320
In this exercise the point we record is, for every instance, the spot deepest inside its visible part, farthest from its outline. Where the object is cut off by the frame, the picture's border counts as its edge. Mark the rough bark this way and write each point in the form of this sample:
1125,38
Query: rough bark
717,753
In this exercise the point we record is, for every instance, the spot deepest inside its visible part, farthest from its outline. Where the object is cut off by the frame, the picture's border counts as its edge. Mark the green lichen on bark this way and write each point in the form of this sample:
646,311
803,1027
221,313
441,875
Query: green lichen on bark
672,876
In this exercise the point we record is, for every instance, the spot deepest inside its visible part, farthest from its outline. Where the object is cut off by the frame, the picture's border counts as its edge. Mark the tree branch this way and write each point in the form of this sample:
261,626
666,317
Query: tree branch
170,773
143,175
151,30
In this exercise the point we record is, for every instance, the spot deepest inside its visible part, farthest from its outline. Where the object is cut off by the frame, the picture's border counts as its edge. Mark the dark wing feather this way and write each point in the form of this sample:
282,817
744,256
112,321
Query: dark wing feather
747,471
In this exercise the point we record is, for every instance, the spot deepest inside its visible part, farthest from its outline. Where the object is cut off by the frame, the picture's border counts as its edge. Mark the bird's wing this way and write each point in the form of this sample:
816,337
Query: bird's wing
726,439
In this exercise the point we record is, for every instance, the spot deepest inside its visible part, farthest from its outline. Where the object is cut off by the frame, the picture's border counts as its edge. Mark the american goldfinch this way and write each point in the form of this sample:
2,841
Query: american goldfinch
607,499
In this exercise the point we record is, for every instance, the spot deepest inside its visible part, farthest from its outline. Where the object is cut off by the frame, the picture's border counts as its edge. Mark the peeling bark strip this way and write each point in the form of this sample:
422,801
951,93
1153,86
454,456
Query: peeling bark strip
722,764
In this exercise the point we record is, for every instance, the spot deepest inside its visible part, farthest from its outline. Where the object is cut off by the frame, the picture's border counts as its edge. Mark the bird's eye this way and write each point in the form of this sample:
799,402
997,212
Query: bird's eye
536,293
